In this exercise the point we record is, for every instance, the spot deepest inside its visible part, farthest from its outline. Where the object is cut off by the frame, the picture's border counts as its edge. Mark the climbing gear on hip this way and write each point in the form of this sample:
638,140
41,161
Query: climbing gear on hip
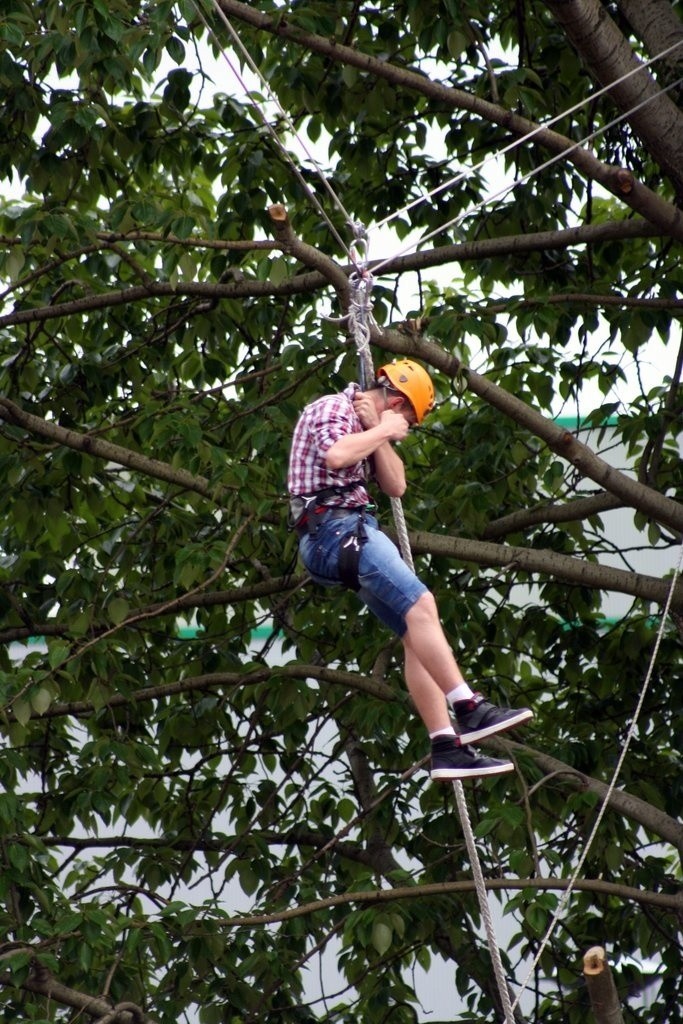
349,546
349,553
306,510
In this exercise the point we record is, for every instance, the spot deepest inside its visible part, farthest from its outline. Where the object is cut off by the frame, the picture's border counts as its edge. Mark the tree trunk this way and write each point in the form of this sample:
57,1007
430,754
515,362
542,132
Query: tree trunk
608,56
659,27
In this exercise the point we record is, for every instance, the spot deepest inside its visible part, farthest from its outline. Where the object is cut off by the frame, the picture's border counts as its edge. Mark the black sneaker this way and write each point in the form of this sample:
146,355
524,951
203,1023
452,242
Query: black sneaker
453,761
477,718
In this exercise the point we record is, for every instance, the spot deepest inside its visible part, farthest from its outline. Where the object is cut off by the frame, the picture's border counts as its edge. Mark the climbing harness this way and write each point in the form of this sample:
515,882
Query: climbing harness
306,512
349,553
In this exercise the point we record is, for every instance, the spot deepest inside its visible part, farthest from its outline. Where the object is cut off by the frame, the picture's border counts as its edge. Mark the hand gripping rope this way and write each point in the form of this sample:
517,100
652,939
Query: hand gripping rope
359,321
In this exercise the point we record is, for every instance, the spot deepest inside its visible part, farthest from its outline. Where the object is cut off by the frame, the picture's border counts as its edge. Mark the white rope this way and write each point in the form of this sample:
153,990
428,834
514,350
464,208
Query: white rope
526,138
480,887
610,789
359,324
451,223
359,318
518,181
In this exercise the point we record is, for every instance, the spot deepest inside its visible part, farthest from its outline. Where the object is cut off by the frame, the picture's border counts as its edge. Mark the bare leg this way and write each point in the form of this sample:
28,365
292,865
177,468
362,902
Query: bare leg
431,673
430,668
427,641
428,697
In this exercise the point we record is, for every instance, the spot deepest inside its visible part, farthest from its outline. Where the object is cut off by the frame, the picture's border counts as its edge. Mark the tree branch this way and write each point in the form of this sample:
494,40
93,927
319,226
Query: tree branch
244,288
669,901
566,567
307,254
109,452
186,602
379,852
314,280
665,901
631,807
618,181
561,441
43,983
621,802
659,26
201,683
609,57
517,245
602,991
579,508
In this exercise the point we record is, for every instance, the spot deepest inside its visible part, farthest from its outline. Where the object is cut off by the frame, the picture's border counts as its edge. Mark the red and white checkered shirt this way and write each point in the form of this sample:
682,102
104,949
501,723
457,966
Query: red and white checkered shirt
322,423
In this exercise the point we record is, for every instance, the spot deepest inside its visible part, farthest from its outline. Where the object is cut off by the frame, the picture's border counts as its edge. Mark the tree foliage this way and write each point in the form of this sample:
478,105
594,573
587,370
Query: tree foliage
189,819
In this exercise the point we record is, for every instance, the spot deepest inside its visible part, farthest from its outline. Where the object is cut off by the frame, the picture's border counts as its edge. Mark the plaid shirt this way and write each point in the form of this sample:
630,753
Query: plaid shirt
322,423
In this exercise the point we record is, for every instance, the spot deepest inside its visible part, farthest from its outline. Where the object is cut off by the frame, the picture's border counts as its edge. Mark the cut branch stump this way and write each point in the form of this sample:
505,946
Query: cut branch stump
602,991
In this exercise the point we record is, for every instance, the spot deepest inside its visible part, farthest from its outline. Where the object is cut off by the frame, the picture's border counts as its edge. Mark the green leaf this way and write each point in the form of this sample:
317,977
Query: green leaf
249,879
41,699
58,652
18,963
485,827
382,936
22,710
457,42
118,609
176,49
278,271
14,263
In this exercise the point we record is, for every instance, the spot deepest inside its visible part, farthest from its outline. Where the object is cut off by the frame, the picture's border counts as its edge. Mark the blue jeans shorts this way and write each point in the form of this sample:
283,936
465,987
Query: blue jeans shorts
387,586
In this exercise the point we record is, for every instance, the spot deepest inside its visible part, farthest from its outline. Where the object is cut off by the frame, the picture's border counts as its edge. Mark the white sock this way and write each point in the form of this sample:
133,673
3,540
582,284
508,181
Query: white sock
460,692
448,730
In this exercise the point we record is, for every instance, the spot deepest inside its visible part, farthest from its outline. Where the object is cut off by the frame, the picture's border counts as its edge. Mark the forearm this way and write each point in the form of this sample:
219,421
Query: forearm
388,465
352,448
390,471
382,425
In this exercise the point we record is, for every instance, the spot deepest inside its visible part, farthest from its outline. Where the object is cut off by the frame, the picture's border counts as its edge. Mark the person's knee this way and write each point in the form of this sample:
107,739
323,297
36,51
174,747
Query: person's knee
424,608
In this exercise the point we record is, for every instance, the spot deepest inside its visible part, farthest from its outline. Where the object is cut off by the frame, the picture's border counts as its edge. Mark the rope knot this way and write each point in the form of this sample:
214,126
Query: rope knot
359,247
360,320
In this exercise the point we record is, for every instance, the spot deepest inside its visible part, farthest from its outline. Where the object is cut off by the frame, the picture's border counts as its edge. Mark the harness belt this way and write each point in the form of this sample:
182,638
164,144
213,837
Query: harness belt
306,510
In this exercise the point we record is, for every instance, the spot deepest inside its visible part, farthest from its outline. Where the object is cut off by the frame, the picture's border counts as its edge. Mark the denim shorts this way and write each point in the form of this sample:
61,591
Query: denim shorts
387,586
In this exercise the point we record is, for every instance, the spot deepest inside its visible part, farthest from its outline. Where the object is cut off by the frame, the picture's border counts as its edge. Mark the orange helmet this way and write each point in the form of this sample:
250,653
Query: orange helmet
412,381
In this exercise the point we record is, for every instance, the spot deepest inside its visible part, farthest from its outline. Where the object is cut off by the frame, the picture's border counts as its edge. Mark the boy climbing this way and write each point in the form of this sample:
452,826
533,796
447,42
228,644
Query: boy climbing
339,440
